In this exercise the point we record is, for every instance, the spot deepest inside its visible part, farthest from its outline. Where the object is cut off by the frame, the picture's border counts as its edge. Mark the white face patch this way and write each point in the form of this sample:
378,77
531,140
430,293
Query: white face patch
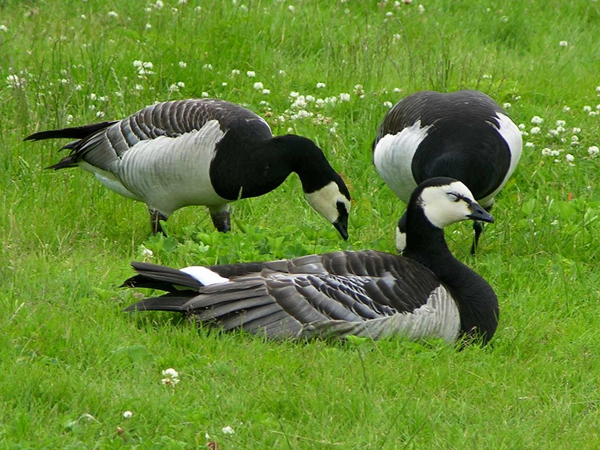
204,275
393,157
440,206
325,200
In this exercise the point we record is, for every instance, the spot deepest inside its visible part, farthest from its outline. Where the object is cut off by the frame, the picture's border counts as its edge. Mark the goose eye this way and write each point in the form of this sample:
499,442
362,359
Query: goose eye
453,197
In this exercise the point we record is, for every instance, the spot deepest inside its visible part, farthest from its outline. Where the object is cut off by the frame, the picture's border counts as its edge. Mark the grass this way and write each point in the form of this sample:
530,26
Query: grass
72,362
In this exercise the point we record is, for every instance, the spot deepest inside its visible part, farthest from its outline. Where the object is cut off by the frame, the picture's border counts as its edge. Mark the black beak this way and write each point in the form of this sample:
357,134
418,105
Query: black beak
478,213
342,226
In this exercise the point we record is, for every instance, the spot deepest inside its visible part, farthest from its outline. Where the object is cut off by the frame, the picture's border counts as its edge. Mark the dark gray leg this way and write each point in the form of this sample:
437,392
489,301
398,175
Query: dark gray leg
478,227
155,218
220,217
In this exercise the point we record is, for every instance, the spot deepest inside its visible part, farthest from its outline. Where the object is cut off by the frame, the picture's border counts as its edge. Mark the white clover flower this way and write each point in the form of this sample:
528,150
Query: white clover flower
294,94
560,123
521,126
100,114
537,120
251,73
207,67
282,73
139,87
235,72
486,76
506,105
171,377
83,16
204,94
389,14
113,14
593,151
159,4
70,118
13,81
546,152
535,130
127,414
388,104
570,158
529,144
266,91
227,430
587,108
182,2
148,26
310,98
224,83
597,88
319,103
4,28
344,97
291,9
181,84
576,130
563,43
173,88
560,129
575,138
258,86
93,96
300,102
421,9
396,37
64,81
566,109
320,85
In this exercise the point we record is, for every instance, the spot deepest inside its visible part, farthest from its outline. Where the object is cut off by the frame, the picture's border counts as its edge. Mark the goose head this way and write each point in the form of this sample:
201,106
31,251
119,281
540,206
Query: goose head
332,201
445,201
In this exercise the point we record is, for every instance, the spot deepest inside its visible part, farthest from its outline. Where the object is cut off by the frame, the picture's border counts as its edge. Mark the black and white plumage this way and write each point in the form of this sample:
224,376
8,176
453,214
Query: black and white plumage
201,152
463,135
426,293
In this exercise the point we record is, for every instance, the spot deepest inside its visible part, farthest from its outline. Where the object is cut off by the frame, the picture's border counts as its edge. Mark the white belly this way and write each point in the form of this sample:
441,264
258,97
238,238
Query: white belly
167,173
393,159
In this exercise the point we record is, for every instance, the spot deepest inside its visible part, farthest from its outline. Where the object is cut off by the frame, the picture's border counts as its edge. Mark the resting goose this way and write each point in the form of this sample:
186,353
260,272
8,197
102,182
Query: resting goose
201,152
426,293
463,135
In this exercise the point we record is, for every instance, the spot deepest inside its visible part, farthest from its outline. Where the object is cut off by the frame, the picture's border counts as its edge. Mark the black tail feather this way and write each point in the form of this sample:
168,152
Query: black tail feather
154,276
71,133
168,302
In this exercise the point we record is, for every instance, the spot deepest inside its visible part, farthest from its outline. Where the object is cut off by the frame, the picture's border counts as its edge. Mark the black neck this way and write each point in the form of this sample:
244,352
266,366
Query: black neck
240,171
475,298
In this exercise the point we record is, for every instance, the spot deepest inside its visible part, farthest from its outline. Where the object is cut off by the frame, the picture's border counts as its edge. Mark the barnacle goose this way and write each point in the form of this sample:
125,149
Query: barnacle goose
425,293
463,135
201,152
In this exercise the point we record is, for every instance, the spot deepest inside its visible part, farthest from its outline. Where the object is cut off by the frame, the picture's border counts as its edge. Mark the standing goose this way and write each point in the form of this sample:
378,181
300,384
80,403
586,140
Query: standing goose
426,293
201,152
463,135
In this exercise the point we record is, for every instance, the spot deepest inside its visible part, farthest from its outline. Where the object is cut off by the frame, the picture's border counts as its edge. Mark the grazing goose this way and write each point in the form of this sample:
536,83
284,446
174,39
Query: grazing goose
201,152
426,293
463,135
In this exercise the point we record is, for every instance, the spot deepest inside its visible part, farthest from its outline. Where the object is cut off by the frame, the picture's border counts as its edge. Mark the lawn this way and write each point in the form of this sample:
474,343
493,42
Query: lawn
80,373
